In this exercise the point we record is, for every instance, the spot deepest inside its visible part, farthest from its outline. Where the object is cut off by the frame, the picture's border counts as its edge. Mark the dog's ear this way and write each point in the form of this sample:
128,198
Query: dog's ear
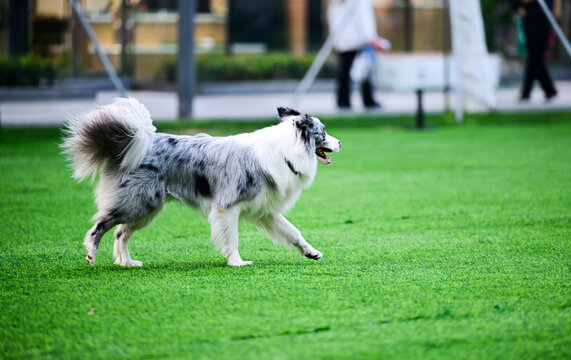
305,122
285,111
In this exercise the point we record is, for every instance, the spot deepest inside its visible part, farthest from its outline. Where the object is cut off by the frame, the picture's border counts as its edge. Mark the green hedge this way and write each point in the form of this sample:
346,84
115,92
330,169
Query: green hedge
272,66
26,70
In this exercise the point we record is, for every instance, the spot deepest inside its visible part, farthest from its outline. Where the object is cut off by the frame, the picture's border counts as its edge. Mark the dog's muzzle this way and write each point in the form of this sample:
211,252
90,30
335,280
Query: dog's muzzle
331,145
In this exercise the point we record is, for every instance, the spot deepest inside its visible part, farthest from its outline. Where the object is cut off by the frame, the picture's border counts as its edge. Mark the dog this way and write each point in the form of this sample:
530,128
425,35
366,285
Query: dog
254,176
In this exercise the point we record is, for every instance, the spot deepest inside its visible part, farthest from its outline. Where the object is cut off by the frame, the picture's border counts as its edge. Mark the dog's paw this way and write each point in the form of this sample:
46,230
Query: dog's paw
130,263
239,263
89,258
314,254
134,263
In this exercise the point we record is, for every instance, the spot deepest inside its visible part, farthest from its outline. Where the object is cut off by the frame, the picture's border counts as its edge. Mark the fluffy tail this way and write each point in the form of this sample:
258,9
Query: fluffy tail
119,134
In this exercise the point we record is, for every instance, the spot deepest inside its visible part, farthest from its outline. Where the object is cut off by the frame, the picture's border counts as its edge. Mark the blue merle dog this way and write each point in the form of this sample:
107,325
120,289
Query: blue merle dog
255,176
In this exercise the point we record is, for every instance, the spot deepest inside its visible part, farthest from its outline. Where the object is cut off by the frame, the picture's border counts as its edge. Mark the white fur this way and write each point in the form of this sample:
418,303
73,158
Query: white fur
137,117
271,145
130,113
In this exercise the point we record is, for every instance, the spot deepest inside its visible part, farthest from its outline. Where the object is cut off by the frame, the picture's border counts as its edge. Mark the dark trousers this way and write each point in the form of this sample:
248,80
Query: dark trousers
344,82
535,68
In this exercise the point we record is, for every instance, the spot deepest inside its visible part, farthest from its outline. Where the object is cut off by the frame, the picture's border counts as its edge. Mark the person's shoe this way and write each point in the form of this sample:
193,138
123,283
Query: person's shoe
523,99
343,109
373,107
549,97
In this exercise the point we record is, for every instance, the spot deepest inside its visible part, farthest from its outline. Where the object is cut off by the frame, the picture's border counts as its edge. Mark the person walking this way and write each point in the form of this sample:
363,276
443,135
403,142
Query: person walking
536,29
356,27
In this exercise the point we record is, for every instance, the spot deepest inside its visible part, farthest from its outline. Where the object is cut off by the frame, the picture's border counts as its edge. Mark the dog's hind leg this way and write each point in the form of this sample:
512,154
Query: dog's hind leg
282,231
124,231
93,237
120,250
224,233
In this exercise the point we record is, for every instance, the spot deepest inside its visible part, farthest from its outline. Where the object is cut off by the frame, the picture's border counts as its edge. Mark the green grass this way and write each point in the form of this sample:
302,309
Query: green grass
449,243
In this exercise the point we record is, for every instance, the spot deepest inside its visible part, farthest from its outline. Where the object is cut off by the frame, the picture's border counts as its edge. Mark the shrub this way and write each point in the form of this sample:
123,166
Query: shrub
272,66
26,70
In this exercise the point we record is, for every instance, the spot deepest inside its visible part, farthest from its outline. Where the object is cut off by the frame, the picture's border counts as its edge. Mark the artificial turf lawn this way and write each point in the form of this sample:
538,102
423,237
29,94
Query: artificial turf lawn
449,243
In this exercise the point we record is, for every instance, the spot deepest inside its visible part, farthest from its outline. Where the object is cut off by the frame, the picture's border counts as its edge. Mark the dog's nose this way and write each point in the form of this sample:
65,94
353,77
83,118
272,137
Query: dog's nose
340,143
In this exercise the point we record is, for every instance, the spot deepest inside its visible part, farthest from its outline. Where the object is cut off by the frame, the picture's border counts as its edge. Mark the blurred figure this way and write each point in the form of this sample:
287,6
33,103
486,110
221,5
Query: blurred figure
536,28
358,30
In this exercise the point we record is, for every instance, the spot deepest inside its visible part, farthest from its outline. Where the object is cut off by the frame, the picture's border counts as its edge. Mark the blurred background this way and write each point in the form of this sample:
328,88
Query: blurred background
43,46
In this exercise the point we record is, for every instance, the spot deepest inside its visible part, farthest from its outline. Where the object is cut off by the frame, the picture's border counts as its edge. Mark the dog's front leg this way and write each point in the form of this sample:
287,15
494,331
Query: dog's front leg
224,233
282,231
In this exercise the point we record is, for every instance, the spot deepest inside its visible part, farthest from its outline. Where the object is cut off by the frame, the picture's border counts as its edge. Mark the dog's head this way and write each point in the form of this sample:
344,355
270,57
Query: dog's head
313,134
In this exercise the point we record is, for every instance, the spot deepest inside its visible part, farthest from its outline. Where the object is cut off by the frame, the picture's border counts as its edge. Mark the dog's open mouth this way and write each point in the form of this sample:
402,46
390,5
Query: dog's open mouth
324,159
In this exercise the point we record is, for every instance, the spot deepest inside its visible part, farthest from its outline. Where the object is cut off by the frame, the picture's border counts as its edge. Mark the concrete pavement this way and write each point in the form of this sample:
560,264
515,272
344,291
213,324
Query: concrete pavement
249,105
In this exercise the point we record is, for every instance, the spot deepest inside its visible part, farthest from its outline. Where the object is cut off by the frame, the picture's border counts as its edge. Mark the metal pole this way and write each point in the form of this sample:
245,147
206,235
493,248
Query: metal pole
555,26
408,23
185,60
104,60
76,50
419,110
125,38
445,54
229,18
453,11
19,24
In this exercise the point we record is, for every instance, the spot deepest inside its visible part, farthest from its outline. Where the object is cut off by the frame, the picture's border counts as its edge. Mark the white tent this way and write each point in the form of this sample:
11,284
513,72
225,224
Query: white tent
476,81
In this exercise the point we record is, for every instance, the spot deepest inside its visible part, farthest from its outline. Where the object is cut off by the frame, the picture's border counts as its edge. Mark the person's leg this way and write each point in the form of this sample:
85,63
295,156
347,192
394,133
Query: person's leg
367,92
530,67
343,78
542,73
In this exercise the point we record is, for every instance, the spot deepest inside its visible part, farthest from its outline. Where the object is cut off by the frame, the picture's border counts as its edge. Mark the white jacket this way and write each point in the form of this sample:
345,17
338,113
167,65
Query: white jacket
354,31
